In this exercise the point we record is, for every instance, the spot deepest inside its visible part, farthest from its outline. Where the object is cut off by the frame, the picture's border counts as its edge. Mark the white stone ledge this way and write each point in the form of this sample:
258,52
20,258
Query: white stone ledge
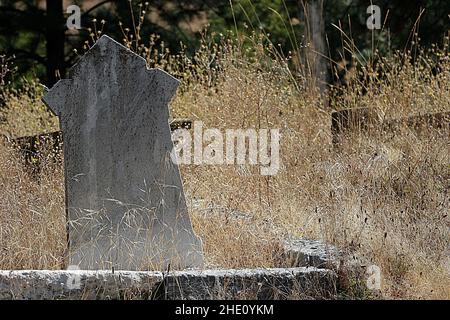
276,283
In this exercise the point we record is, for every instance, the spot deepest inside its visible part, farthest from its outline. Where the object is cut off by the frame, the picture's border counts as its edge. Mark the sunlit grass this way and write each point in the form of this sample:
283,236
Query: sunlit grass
384,197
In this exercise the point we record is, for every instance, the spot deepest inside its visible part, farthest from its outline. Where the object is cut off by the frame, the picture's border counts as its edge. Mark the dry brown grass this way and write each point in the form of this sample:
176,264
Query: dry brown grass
24,114
384,197
32,221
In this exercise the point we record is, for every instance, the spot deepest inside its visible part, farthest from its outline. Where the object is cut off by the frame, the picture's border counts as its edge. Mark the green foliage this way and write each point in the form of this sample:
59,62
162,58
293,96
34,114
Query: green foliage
278,20
281,22
400,21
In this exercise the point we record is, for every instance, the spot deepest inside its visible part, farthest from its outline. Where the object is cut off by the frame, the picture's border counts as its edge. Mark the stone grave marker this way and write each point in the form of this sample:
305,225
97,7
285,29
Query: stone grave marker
124,196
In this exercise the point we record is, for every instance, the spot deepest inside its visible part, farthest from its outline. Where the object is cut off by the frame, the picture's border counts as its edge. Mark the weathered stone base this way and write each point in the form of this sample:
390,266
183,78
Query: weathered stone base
353,271
279,283
299,252
77,284
311,269
290,283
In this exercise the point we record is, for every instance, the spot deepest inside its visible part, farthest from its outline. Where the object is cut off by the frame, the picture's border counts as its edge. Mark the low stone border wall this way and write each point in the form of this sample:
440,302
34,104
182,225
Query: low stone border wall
310,269
299,252
279,283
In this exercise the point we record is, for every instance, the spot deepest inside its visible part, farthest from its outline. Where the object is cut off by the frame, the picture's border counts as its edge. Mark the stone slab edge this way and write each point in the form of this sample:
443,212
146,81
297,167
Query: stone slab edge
276,283
352,270
298,252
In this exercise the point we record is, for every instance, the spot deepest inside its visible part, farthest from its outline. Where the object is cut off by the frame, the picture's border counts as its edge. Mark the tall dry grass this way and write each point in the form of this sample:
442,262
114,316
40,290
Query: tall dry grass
384,196
32,221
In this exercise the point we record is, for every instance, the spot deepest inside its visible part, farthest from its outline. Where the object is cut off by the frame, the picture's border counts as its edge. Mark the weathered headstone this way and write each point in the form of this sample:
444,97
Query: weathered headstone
125,203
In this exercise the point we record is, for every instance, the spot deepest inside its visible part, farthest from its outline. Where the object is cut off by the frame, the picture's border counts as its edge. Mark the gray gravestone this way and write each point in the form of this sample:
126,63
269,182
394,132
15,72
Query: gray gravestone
125,203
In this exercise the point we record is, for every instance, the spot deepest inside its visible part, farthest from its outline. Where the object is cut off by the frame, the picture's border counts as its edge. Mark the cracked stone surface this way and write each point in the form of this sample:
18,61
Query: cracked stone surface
77,284
275,283
278,283
304,252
